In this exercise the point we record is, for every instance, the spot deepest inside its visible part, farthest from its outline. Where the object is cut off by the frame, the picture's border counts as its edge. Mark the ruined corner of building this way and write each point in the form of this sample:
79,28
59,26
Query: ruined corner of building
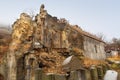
50,44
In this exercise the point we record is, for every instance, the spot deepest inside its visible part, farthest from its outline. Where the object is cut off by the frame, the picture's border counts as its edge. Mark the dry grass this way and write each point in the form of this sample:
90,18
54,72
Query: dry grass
87,62
115,58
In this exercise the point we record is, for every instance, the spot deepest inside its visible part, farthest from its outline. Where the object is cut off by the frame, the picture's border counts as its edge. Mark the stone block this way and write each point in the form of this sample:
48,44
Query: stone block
73,75
100,72
85,74
60,77
94,73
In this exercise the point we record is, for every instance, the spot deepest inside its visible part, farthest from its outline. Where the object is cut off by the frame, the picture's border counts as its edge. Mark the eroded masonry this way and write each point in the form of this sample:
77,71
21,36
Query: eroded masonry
49,44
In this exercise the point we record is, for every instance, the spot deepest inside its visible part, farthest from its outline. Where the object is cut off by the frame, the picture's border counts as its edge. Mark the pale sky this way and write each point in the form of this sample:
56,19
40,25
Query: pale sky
95,16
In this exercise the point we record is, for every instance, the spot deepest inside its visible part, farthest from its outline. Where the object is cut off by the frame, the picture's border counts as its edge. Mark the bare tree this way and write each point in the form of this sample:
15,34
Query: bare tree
116,41
101,36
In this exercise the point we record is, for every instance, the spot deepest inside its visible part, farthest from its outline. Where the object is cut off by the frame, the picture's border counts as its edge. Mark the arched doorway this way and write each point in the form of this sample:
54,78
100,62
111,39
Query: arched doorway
1,77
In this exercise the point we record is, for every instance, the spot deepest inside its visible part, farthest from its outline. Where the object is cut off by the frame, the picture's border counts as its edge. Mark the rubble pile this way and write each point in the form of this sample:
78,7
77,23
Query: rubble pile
51,62
78,53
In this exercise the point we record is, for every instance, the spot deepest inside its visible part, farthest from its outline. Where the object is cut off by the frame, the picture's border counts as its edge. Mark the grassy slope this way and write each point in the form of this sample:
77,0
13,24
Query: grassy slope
5,39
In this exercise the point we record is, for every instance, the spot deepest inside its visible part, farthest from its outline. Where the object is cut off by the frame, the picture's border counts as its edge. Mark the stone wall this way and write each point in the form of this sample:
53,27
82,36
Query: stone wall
51,32
93,48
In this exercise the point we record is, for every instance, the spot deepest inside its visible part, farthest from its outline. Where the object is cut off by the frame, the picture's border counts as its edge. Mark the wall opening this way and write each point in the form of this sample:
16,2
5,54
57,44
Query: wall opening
96,49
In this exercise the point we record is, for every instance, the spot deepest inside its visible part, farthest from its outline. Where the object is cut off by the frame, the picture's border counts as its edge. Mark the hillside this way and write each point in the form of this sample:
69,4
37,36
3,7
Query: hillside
4,40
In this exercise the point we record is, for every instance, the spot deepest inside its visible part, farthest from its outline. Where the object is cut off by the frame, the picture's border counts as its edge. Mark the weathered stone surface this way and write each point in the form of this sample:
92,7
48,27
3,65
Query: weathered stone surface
72,63
48,77
88,75
85,74
73,75
60,77
100,72
93,49
94,73
38,74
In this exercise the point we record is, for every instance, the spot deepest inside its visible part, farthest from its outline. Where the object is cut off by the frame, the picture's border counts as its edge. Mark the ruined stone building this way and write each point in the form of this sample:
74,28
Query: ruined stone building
44,43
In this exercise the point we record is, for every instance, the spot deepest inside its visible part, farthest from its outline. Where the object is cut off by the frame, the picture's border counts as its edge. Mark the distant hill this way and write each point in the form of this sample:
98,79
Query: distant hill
5,30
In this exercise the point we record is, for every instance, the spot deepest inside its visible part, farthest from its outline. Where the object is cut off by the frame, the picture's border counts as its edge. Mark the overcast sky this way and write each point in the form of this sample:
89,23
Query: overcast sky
95,16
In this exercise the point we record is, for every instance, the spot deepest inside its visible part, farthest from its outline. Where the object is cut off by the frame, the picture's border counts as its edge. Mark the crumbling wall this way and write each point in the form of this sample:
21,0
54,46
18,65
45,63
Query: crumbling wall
22,40
75,38
44,43
50,31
